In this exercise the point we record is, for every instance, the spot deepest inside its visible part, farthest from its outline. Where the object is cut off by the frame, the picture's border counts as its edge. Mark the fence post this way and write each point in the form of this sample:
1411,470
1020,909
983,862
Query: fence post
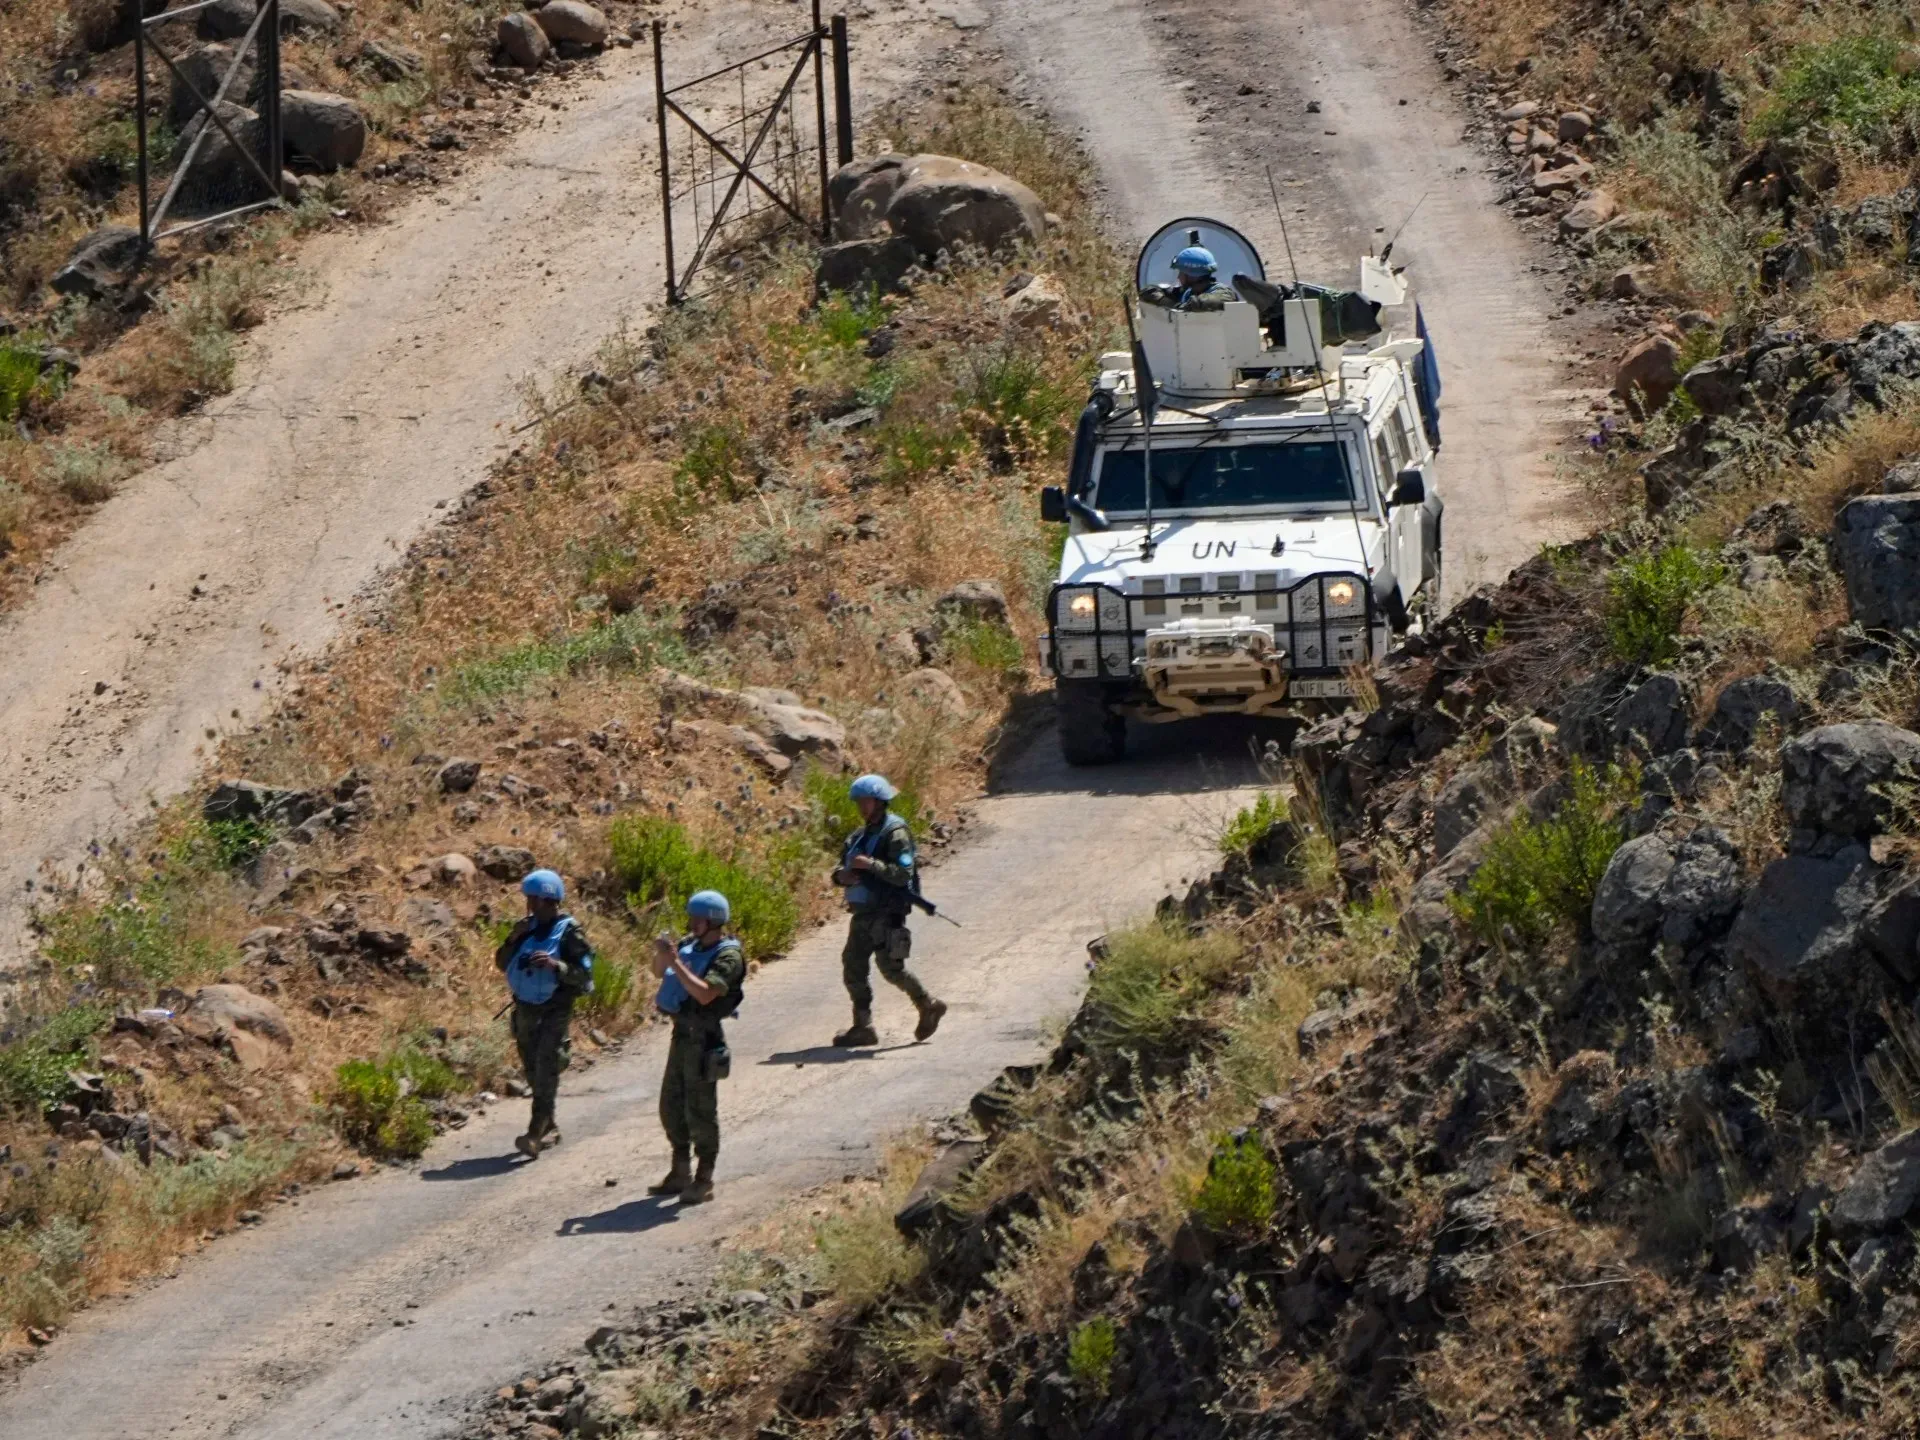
666,172
140,128
276,165
842,90
820,125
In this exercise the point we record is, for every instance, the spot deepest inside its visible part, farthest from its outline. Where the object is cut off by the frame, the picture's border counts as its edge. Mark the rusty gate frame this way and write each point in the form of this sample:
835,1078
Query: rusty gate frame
813,46
266,30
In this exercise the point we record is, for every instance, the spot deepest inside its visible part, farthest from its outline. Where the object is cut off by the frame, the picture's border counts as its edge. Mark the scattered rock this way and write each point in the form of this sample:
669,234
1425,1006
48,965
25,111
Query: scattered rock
572,20
981,600
458,776
201,71
794,729
328,131
452,868
1680,892
1037,305
1834,779
504,862
99,264
226,19
1883,1189
229,1008
1648,373
1589,213
392,63
1799,929
1876,539
1575,126
1466,800
521,39
1652,720
1741,708
316,16
936,690
250,800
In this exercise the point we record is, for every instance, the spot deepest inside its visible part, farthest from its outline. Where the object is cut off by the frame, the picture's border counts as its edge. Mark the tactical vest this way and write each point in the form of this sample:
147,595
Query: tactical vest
532,985
673,995
870,892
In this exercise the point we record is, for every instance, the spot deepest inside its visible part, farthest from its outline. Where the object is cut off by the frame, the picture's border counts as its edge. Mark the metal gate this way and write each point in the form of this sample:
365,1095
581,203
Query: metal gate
220,139
749,163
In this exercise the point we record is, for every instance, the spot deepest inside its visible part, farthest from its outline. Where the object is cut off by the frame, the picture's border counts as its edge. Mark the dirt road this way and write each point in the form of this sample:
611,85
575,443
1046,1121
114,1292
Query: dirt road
1163,113
383,1307
382,397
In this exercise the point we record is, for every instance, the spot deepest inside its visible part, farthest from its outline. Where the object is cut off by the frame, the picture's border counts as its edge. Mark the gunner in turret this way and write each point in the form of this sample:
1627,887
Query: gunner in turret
1197,285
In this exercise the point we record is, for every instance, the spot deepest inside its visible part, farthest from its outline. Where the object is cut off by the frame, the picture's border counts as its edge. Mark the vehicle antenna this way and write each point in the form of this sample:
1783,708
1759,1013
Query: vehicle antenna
1388,252
1326,398
1146,399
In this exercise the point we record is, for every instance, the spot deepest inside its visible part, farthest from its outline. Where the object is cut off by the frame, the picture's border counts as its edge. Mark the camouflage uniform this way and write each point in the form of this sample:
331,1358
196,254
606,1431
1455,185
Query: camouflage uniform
540,1031
878,899
690,1089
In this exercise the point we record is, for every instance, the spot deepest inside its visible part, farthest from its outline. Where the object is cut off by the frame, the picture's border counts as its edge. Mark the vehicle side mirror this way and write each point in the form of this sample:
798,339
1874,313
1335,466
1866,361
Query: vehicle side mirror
1053,505
1409,488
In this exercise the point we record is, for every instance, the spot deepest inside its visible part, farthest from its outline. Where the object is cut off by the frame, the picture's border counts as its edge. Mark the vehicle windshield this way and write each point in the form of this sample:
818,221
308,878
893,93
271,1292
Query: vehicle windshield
1219,477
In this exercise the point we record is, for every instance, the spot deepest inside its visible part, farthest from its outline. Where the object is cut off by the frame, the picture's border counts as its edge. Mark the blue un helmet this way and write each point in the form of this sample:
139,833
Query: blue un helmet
872,787
544,885
709,905
1195,260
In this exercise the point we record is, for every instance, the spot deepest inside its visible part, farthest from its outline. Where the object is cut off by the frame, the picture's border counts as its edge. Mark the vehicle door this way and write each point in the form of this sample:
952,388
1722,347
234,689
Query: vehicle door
1406,524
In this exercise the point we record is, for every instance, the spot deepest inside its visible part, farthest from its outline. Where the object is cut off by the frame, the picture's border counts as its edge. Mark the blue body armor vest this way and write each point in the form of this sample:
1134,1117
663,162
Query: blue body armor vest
532,985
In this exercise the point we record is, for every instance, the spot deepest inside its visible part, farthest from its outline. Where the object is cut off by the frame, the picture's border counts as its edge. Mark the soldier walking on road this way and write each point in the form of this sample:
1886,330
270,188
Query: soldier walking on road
700,986
877,872
549,965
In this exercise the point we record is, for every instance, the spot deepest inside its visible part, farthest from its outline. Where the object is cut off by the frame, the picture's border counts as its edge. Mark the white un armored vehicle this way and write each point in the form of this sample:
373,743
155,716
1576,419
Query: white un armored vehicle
1251,507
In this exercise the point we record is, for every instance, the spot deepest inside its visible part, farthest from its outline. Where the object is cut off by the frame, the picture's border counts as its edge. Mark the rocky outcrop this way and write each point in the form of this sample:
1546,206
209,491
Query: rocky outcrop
1799,931
1680,893
1876,539
203,70
977,600
99,264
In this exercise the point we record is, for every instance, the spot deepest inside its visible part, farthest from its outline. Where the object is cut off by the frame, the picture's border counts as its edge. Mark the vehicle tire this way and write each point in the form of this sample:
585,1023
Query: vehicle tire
1091,731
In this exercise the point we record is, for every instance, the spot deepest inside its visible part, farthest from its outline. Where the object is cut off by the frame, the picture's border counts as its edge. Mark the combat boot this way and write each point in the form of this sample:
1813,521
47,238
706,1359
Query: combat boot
930,1014
701,1190
677,1179
528,1145
861,1032
538,1129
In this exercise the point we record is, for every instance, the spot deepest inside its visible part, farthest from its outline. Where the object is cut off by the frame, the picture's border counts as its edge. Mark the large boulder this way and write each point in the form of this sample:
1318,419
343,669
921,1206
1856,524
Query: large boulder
860,193
219,165
327,131
1648,373
226,19
203,70
269,804
1741,708
943,202
879,262
1799,931
1883,1190
1717,386
572,20
522,41
100,263
1876,539
1834,779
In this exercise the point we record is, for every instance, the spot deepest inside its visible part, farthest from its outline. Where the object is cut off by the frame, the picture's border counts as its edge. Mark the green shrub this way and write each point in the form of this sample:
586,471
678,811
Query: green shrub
1090,1353
1023,405
1238,1192
1864,86
127,943
720,461
914,451
1648,597
657,864
1537,876
612,989
19,378
1250,826
862,1255
33,1068
1143,989
85,474
626,642
379,1109
848,317
988,644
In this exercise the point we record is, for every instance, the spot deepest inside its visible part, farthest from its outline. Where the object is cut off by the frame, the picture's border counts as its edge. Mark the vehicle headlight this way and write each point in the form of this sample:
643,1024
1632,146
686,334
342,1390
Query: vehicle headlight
1081,607
1077,608
1341,593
